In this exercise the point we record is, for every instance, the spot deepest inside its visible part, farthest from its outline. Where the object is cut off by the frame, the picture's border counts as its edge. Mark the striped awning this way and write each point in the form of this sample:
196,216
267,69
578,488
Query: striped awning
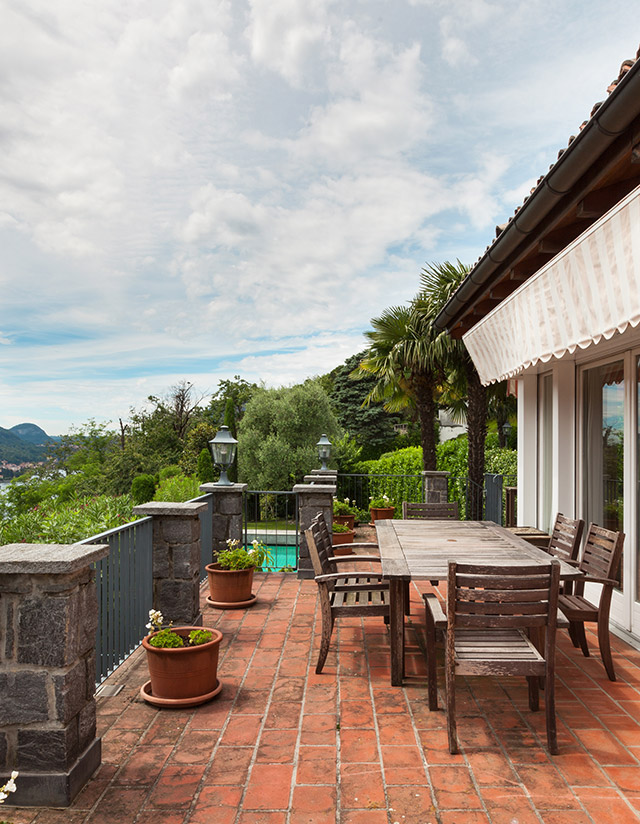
589,291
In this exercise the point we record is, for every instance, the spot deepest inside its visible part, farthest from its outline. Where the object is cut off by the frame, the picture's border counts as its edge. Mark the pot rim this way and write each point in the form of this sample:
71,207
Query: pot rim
215,567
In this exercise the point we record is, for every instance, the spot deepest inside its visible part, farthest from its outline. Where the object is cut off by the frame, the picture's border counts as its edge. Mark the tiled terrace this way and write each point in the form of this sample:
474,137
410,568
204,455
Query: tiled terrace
282,745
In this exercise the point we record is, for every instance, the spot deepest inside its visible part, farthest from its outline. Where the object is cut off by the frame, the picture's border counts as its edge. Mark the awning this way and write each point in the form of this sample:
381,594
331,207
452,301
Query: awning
589,291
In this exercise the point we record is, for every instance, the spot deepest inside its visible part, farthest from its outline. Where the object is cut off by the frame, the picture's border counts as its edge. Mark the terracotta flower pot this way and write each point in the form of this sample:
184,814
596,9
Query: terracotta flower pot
340,538
230,588
347,520
381,513
182,676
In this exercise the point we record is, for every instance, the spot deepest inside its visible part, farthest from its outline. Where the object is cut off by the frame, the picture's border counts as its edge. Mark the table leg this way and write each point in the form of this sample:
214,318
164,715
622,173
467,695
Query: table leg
396,630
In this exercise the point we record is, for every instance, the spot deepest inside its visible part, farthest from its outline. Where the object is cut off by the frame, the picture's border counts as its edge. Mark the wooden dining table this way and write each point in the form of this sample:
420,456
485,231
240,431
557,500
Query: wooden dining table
421,550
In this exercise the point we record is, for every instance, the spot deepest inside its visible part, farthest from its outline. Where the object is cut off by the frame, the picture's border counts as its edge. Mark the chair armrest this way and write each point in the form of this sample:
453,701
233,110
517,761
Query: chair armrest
340,559
574,563
340,576
432,603
369,544
592,579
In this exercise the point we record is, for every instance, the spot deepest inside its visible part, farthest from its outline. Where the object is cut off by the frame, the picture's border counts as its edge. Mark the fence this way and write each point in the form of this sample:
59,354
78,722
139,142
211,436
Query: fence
271,517
361,488
124,582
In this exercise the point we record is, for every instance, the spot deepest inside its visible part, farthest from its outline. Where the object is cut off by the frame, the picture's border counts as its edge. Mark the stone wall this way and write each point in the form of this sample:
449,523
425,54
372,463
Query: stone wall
48,622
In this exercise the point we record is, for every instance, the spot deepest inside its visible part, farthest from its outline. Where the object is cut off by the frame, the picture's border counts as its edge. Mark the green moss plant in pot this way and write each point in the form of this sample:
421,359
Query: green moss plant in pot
380,508
342,537
231,576
183,664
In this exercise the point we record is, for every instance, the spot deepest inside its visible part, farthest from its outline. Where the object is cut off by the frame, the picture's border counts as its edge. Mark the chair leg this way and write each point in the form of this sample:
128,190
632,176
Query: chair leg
432,682
327,629
450,680
534,699
605,645
582,638
407,597
550,712
573,635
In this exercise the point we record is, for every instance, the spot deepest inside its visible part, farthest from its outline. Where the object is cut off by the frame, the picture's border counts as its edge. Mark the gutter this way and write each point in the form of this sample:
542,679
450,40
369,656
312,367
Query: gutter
610,120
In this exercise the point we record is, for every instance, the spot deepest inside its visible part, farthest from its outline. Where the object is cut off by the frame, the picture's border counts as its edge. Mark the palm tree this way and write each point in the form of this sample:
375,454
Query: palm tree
439,281
405,354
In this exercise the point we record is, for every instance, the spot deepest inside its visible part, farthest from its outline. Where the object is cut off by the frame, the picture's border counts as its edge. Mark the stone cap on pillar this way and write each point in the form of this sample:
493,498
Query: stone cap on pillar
328,488
49,559
222,487
168,508
432,473
333,472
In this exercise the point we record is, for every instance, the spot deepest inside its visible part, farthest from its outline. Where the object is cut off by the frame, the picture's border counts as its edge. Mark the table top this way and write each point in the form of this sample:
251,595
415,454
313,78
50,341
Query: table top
421,549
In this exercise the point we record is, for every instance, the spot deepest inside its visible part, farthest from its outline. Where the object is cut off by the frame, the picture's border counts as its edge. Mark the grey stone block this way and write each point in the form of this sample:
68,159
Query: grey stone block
35,559
24,697
177,600
186,560
87,725
71,692
3,750
229,504
90,675
48,631
46,750
179,530
161,563
9,641
163,509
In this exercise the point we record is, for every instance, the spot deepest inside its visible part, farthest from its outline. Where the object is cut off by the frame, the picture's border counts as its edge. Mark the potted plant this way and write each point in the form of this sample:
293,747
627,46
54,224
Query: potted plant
342,537
344,512
231,576
380,508
183,664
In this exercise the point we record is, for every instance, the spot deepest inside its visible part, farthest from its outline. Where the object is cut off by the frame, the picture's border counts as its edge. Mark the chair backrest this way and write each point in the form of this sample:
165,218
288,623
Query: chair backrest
602,552
483,596
320,545
565,538
430,512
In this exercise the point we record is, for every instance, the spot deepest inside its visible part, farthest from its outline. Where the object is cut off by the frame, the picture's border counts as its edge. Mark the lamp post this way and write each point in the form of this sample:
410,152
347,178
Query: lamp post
324,450
223,451
506,431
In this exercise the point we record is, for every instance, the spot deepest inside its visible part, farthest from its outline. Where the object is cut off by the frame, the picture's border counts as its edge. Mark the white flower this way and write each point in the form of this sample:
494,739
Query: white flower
9,787
156,619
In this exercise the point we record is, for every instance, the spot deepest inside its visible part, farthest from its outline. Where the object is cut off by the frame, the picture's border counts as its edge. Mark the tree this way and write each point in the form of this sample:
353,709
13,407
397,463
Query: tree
239,390
406,355
370,425
439,281
278,434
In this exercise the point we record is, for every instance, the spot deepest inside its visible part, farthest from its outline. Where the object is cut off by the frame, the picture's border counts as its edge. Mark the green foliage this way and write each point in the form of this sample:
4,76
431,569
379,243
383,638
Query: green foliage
197,439
169,472
340,528
199,636
344,507
381,502
278,435
55,522
166,639
206,472
143,488
239,391
370,428
453,456
237,557
178,488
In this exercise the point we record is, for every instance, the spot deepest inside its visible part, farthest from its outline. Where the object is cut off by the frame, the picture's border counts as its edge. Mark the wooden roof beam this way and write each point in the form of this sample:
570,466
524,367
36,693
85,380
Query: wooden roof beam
596,203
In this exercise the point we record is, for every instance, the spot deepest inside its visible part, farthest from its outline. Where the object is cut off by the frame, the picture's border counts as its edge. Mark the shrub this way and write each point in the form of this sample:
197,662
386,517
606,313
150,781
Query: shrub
206,471
143,488
169,472
179,488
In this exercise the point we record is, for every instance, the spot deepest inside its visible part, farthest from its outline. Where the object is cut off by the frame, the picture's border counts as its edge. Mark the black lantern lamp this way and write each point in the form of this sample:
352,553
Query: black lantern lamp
324,450
506,431
223,451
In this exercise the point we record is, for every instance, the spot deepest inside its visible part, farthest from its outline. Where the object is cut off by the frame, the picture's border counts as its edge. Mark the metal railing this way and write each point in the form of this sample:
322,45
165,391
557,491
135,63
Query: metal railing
360,488
124,583
271,517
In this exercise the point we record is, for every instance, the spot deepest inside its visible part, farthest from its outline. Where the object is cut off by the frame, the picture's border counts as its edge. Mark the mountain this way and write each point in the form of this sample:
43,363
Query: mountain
23,443
31,433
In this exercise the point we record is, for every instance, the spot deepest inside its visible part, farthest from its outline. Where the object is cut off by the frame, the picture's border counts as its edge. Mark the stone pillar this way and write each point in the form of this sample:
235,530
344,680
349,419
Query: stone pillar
329,480
436,488
176,559
227,514
48,622
328,473
312,498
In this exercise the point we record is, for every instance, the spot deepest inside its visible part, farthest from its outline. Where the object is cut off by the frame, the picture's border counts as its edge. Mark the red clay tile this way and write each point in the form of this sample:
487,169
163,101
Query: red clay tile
269,787
230,765
316,765
463,817
176,786
453,788
219,804
358,745
277,747
361,786
242,730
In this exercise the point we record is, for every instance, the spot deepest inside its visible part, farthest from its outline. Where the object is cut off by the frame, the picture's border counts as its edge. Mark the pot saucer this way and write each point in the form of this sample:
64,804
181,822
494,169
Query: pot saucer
147,695
231,604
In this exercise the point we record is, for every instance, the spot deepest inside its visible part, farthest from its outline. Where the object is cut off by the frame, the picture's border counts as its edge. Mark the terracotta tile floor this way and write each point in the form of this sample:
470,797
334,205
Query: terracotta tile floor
282,745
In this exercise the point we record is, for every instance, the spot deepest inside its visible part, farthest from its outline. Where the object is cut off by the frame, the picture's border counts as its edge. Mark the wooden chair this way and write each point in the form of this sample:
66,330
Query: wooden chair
342,593
599,563
435,512
564,543
490,610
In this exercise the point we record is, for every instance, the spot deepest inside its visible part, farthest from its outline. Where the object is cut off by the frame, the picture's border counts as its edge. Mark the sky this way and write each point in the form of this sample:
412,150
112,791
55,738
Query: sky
197,189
